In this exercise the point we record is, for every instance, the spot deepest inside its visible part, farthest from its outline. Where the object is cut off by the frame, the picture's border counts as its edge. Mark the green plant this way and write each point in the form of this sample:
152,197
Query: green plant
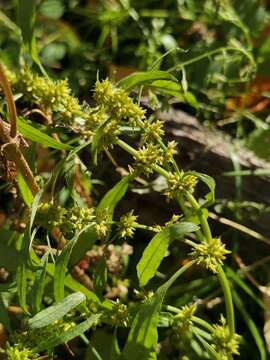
76,228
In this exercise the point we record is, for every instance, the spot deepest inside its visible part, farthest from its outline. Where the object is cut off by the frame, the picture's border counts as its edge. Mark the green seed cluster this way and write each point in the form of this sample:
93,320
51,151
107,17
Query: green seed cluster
225,344
182,321
49,95
117,103
182,183
209,254
20,352
72,220
126,225
119,315
147,157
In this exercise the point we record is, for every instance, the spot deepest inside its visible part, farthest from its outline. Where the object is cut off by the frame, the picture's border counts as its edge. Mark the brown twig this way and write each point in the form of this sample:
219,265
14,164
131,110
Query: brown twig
10,102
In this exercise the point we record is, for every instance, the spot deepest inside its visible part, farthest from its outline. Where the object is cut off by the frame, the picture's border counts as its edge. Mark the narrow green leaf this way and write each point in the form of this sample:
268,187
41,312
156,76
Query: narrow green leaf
39,284
143,337
4,20
26,19
169,87
250,324
70,282
68,335
113,196
25,191
97,139
33,134
61,264
21,280
157,248
210,183
100,276
244,286
143,78
56,311
84,243
210,350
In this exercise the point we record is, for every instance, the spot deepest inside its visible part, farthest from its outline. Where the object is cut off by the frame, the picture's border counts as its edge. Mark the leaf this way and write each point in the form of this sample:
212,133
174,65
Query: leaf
33,134
39,284
113,196
26,19
56,311
243,285
21,280
143,336
143,78
266,329
100,276
68,335
84,243
210,183
250,324
210,350
26,11
70,282
169,87
61,264
97,139
157,248
25,190
4,20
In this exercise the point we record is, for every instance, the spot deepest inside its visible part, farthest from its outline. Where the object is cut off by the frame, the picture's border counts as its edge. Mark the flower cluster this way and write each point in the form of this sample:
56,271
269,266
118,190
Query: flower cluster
72,220
182,321
209,254
147,157
49,95
152,131
180,183
126,225
224,342
117,103
20,352
119,314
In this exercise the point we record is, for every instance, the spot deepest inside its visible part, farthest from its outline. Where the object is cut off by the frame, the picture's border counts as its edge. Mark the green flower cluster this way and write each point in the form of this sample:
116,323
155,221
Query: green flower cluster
182,321
71,220
126,225
225,344
152,132
180,184
147,157
20,352
117,103
209,254
49,95
119,315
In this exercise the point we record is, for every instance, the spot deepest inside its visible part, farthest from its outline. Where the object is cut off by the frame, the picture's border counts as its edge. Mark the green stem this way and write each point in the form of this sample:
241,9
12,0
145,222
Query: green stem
228,299
208,236
195,319
203,220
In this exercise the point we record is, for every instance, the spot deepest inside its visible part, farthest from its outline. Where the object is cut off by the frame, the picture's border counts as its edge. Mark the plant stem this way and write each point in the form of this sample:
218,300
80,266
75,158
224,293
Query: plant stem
10,102
208,237
228,299
195,319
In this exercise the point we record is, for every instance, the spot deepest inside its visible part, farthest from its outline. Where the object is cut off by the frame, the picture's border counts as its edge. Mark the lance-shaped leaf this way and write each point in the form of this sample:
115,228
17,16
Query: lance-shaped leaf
157,248
210,183
68,335
144,78
56,311
143,337
113,196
